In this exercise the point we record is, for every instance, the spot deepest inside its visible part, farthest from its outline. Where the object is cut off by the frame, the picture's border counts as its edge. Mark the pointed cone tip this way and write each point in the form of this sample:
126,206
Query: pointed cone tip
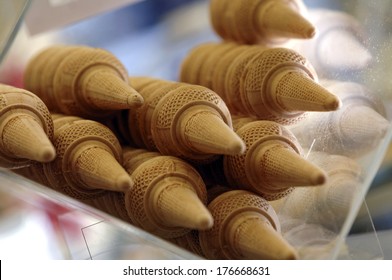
301,93
210,134
46,154
124,183
286,21
332,103
135,99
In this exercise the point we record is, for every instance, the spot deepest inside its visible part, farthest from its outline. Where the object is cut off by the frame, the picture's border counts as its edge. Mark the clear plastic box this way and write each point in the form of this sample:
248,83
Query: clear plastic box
100,236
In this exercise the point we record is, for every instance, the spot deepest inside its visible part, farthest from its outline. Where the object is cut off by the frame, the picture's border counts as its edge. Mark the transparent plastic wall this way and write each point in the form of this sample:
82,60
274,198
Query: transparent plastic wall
349,143
11,15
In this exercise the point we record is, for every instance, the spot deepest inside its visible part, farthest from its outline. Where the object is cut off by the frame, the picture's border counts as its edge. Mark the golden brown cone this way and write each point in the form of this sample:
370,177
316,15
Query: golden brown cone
107,91
283,167
253,237
191,65
204,131
98,168
295,91
272,163
206,70
53,57
24,137
245,226
178,205
278,19
163,186
74,171
260,21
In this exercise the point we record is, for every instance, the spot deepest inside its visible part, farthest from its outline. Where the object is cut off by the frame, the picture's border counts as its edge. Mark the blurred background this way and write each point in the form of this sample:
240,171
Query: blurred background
151,37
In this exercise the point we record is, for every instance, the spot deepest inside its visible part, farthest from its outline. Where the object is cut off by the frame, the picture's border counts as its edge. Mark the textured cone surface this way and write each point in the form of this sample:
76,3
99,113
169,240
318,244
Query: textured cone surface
107,91
283,167
295,91
217,17
26,125
35,75
153,173
141,118
98,168
254,237
70,134
179,206
190,67
255,169
255,21
208,67
227,209
24,137
166,125
70,74
234,78
206,132
54,56
278,19
259,79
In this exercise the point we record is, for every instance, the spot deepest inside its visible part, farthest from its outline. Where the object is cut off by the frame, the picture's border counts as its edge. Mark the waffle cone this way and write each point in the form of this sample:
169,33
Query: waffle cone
204,131
253,237
278,19
221,73
156,200
245,227
191,65
98,168
178,205
74,169
295,91
23,136
176,115
272,163
26,127
73,73
34,75
141,118
107,91
283,167
207,68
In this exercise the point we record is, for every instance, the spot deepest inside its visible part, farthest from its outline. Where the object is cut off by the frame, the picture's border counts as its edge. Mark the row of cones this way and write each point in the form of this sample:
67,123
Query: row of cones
275,84
81,81
332,40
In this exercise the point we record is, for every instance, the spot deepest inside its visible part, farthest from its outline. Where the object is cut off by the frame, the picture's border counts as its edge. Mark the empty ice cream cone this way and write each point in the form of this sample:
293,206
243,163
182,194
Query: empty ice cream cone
89,159
169,196
26,128
275,84
245,227
83,81
183,120
272,163
260,21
